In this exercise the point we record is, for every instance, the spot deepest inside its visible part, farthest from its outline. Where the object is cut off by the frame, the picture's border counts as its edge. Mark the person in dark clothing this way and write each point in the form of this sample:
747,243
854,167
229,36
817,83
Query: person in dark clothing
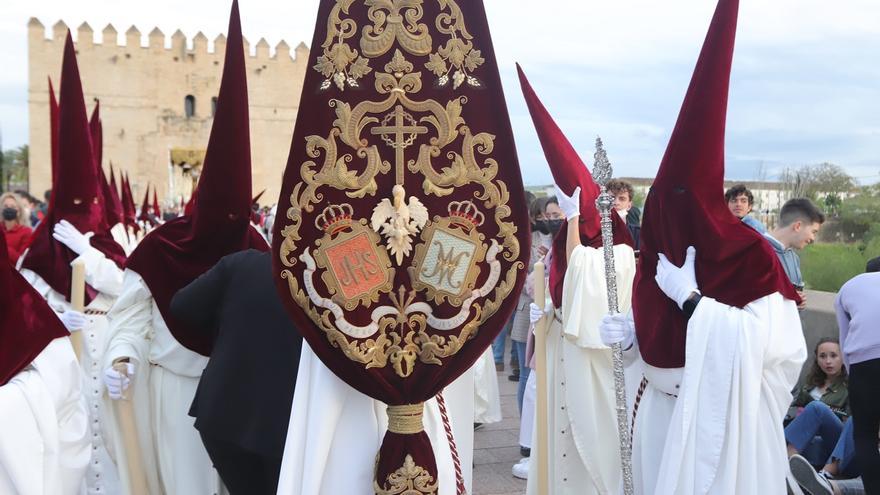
624,193
242,404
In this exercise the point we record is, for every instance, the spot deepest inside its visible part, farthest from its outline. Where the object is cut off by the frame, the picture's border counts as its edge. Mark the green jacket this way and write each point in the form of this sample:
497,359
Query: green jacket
836,397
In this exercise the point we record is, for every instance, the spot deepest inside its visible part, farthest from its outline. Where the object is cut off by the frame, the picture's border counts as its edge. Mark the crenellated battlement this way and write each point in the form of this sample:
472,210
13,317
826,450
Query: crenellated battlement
157,42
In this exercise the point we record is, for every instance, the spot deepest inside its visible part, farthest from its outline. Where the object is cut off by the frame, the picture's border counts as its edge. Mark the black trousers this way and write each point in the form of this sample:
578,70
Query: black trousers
864,400
242,471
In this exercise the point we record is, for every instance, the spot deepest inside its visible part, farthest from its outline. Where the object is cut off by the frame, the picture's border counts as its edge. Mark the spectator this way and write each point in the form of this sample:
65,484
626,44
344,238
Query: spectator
858,311
623,203
799,223
840,476
740,202
822,405
15,226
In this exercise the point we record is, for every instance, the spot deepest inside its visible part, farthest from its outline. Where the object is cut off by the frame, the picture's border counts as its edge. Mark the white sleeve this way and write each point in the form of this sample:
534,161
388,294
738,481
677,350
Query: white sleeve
129,321
101,273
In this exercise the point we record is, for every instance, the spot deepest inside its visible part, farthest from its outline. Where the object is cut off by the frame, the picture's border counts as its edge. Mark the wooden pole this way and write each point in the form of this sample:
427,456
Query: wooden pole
125,416
541,406
77,301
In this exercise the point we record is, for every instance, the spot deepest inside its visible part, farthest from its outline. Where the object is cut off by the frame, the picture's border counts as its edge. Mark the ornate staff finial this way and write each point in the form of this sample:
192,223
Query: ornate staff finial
601,167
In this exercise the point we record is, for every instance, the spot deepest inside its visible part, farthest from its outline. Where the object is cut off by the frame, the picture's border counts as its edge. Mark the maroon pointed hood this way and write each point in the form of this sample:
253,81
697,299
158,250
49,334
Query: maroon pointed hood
686,207
27,323
114,197
111,214
156,210
144,215
53,139
128,207
569,172
77,191
178,251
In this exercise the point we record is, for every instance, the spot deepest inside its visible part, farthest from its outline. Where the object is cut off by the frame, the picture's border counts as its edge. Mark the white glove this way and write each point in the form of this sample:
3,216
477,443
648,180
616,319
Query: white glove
117,382
66,234
536,313
677,283
570,205
73,320
618,329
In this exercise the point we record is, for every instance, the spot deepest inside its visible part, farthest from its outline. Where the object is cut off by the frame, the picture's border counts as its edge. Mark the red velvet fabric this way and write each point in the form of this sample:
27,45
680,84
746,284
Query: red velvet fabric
27,323
115,199
178,251
77,192
128,207
685,207
483,111
569,172
156,210
112,216
144,216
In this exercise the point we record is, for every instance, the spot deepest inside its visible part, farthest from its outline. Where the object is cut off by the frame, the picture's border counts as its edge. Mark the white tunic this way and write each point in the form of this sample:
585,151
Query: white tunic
44,431
104,276
583,440
723,434
165,381
335,433
487,398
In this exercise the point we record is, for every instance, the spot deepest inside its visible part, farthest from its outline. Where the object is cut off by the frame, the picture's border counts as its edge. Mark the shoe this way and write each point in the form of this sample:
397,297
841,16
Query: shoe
525,451
478,426
806,476
513,378
499,366
521,469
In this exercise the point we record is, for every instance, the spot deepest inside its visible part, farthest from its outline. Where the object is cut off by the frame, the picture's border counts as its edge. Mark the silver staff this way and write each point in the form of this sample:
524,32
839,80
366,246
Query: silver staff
604,203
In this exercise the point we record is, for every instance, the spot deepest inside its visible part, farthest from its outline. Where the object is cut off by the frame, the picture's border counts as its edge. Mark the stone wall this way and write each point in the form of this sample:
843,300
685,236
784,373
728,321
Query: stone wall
142,89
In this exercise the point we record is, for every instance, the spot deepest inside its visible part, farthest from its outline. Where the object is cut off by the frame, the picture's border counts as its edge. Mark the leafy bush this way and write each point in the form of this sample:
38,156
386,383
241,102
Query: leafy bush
827,266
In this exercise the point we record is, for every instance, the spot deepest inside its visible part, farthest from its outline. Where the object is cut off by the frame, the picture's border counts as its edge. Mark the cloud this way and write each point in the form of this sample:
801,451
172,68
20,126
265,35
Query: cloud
805,85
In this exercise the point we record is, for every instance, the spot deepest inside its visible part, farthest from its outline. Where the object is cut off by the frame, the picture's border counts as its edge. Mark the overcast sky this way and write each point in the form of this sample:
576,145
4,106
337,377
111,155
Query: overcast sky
805,83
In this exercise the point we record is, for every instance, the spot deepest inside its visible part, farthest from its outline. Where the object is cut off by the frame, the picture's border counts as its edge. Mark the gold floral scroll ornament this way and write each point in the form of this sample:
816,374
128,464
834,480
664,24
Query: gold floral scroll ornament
409,479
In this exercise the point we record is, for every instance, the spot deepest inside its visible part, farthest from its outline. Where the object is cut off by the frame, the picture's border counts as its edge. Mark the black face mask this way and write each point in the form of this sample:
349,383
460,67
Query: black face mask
10,214
541,226
554,226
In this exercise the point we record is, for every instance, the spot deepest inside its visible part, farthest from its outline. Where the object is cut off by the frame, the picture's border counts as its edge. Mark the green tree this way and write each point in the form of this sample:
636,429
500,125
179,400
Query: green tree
819,182
860,215
14,168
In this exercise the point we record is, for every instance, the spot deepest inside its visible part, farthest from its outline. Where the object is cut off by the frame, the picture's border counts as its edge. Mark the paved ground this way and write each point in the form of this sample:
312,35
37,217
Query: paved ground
496,448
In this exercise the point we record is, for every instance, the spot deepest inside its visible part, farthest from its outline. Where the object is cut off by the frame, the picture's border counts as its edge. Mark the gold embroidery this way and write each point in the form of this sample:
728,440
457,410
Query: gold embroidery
338,56
446,263
400,23
406,419
350,160
459,53
409,479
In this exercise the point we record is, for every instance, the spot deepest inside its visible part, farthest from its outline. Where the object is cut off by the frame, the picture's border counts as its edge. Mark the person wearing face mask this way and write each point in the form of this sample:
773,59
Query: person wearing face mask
14,226
160,356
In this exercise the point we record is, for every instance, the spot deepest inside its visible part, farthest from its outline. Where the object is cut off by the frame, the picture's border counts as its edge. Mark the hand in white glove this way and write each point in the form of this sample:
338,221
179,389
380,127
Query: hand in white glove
117,382
536,313
73,320
617,329
570,205
677,283
67,234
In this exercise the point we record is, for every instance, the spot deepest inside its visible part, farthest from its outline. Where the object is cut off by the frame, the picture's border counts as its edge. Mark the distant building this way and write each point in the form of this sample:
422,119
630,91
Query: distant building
158,102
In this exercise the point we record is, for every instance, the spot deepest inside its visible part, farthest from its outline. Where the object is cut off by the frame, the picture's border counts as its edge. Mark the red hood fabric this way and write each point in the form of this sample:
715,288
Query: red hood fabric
569,172
686,207
112,216
53,142
178,251
144,216
129,209
156,210
77,191
27,323
114,197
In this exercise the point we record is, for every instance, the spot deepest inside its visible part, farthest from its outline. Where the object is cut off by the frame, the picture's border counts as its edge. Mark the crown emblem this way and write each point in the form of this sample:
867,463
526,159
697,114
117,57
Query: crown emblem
465,214
335,218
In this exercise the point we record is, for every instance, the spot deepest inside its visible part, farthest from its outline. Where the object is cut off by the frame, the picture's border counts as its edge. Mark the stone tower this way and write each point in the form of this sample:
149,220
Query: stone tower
157,104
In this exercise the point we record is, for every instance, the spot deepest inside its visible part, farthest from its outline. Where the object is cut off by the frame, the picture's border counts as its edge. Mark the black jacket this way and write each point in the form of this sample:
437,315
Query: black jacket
245,393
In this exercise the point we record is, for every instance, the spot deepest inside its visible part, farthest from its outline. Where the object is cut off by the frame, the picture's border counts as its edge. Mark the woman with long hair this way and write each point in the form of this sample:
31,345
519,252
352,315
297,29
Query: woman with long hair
822,405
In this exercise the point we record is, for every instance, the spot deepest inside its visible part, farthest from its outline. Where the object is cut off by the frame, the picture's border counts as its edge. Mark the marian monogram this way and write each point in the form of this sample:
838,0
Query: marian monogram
403,279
